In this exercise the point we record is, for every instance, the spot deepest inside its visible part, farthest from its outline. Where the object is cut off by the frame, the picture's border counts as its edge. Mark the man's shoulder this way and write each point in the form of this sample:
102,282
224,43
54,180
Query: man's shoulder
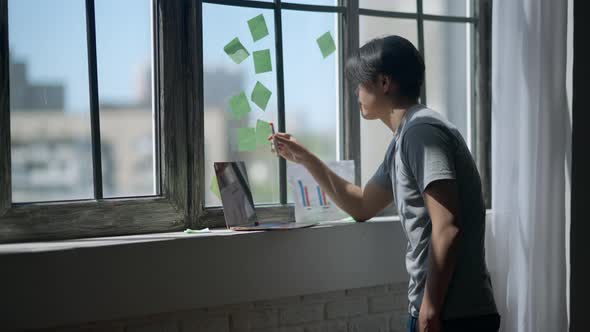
427,116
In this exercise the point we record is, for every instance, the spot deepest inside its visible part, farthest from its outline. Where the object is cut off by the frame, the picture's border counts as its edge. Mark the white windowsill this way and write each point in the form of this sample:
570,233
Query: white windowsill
68,282
30,247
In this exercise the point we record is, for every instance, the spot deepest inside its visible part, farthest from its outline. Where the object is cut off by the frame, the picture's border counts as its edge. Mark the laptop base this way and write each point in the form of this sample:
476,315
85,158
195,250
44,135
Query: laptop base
273,226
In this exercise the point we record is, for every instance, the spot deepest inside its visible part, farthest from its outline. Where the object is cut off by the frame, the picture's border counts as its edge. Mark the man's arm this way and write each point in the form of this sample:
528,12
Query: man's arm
441,200
358,203
361,204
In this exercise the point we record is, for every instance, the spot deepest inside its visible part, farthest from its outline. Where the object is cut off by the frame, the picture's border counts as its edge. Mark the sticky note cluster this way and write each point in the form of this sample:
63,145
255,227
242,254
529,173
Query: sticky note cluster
258,28
215,187
197,231
236,51
250,138
260,95
262,132
246,139
239,105
326,44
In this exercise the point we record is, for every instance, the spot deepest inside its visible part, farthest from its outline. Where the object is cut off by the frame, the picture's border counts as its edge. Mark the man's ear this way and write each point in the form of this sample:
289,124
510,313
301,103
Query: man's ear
388,86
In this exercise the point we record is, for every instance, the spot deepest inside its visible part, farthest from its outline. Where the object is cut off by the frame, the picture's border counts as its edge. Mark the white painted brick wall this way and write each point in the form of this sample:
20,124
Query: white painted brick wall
349,307
369,323
328,326
380,308
303,313
255,319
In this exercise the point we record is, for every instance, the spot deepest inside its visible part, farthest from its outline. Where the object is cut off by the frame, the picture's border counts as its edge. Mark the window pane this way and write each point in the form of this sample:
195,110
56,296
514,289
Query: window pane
375,136
447,7
50,122
223,79
311,82
448,74
124,51
389,5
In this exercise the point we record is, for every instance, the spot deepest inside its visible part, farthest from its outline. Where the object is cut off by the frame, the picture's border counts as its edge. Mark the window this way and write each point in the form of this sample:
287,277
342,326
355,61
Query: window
116,112
81,141
50,101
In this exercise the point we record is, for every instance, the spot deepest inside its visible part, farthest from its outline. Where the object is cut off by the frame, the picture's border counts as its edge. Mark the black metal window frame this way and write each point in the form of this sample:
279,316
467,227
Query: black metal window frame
179,116
349,14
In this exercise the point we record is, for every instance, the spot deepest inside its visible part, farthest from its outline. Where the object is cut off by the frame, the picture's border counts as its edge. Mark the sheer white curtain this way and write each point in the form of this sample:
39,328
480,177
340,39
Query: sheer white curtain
526,234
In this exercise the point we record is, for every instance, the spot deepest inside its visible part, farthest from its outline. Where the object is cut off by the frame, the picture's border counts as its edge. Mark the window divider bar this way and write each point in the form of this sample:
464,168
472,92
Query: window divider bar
5,163
94,104
199,181
483,116
421,47
313,8
444,18
350,118
156,98
426,17
242,3
384,13
280,96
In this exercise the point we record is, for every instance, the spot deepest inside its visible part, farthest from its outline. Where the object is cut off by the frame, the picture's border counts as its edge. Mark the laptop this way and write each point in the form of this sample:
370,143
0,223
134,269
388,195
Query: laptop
238,205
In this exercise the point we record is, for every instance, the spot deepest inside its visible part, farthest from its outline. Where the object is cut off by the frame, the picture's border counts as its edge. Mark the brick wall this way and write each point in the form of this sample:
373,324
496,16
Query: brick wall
381,308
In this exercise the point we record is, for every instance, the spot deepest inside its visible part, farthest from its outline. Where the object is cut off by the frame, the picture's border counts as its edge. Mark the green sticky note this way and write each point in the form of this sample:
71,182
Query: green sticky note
258,27
197,231
215,187
326,44
236,51
262,61
262,132
246,139
260,95
239,105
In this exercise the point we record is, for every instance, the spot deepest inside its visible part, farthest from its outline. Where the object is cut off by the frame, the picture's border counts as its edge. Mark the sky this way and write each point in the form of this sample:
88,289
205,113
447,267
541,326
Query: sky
50,36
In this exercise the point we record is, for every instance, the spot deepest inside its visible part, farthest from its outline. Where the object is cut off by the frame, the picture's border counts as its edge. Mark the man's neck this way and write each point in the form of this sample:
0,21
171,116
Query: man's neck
396,116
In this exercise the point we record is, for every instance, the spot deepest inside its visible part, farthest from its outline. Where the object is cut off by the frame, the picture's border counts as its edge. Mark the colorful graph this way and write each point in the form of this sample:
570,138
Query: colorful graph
322,197
304,194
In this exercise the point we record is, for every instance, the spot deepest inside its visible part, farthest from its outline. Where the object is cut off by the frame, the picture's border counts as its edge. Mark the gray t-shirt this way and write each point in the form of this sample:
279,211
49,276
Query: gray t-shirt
427,148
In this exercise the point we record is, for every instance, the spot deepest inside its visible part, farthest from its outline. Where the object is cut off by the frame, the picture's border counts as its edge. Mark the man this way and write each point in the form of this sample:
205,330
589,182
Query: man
431,173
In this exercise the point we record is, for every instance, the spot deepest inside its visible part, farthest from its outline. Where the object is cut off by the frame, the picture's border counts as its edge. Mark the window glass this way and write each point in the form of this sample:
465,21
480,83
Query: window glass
311,81
124,57
375,136
49,103
448,74
230,80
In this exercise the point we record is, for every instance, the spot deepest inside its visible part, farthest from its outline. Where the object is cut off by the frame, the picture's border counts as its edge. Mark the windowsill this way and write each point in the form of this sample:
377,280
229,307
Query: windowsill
35,247
84,280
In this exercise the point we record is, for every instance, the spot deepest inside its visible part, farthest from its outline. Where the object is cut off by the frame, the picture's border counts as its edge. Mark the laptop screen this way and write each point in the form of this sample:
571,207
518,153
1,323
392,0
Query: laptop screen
236,197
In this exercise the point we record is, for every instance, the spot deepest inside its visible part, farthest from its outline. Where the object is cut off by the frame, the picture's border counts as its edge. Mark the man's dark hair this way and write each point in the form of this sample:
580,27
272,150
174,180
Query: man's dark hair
393,56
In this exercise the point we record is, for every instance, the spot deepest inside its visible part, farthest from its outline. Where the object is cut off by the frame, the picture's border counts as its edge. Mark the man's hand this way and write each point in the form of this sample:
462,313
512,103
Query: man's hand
290,149
429,319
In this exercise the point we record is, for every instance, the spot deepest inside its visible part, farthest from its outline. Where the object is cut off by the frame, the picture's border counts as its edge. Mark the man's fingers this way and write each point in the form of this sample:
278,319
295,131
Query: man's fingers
279,135
284,140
